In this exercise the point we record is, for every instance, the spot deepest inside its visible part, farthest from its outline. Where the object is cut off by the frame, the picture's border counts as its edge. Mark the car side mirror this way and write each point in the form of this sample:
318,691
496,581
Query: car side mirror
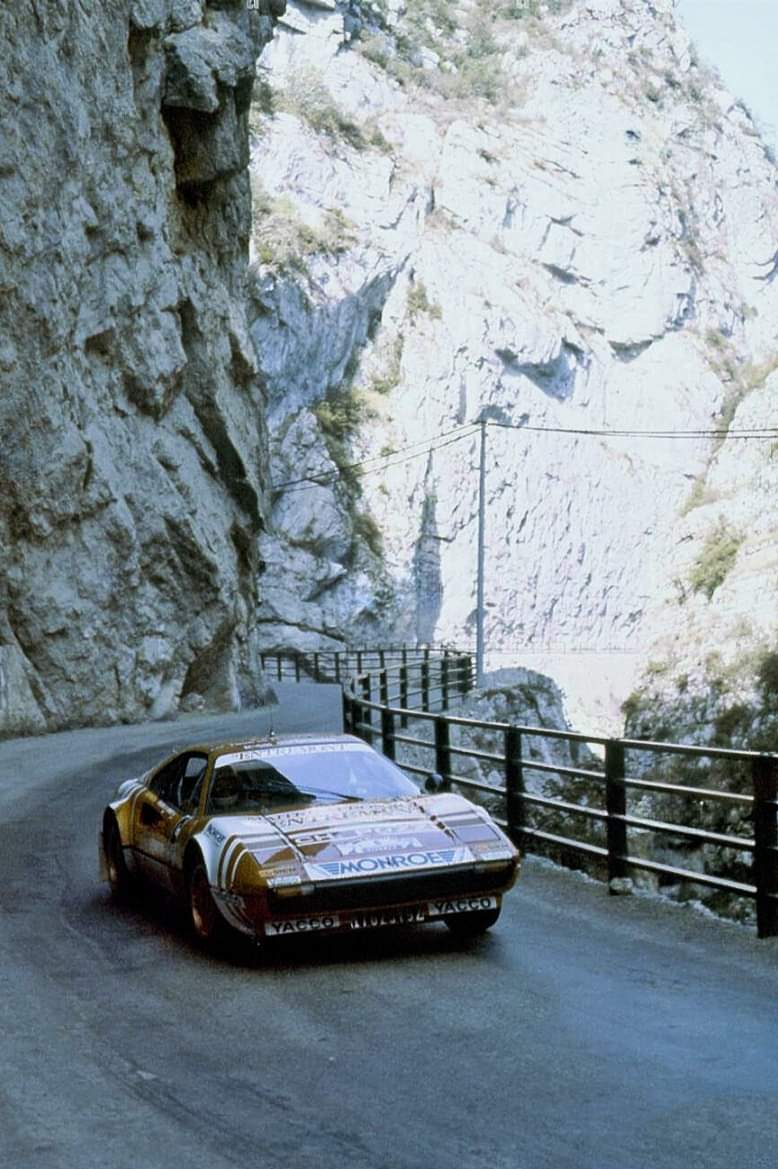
434,783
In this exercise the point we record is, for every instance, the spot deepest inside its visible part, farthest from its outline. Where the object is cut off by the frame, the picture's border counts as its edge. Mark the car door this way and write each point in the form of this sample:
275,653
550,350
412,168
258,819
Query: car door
163,808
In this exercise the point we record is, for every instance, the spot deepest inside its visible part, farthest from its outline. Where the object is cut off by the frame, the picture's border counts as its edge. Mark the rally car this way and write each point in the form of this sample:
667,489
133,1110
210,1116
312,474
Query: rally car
304,834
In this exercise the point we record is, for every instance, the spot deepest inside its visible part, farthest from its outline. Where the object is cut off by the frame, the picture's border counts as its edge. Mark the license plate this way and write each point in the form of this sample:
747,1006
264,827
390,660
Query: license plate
407,916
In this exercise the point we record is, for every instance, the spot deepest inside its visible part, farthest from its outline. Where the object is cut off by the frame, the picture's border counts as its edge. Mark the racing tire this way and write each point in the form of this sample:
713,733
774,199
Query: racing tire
119,876
470,925
208,926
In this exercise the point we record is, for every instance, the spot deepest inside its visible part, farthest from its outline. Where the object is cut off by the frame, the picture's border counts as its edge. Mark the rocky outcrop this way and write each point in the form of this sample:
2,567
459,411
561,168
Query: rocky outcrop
552,214
133,464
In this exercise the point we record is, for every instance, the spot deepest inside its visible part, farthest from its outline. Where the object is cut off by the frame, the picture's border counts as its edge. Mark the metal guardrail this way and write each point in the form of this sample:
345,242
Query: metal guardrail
398,687
431,673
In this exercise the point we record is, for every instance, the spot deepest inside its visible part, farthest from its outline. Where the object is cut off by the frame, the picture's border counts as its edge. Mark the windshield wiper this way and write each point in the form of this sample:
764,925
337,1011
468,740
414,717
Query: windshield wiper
320,791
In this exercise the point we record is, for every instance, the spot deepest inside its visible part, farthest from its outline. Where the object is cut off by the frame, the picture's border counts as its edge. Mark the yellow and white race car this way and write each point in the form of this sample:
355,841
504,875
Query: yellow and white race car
304,834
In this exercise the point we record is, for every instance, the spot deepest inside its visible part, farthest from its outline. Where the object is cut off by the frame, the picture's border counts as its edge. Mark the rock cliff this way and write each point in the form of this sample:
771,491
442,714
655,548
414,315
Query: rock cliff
554,215
133,461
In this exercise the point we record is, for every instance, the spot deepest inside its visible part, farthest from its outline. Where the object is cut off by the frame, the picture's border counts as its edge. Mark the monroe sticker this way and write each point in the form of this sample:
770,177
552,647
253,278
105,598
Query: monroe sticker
396,862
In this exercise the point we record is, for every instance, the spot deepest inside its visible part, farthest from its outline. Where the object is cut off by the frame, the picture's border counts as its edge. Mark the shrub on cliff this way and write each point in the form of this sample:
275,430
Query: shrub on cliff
717,557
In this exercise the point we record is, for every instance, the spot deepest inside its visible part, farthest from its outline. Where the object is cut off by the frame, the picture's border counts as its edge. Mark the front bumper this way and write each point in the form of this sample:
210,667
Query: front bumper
409,913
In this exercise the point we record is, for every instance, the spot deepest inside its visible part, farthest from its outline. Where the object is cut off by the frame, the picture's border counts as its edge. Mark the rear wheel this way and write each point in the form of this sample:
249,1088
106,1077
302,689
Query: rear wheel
119,876
470,925
208,925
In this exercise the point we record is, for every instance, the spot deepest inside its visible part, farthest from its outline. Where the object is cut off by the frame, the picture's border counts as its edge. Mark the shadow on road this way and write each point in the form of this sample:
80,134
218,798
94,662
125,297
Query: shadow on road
147,915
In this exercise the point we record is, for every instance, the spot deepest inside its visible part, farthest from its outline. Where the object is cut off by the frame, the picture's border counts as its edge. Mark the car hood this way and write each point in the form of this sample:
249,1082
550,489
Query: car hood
337,841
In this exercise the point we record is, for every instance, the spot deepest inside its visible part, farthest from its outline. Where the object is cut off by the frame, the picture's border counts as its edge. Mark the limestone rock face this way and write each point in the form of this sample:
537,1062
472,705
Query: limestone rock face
132,468
550,215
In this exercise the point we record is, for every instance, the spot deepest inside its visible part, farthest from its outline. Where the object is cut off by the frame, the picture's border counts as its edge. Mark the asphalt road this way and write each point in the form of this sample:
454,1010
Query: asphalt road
585,1032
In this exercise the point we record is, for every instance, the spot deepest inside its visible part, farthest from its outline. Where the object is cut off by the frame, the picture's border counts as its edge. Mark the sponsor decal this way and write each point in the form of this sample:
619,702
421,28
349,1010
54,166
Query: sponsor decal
461,905
215,834
301,838
358,840
394,862
381,844
344,813
229,859
259,753
302,925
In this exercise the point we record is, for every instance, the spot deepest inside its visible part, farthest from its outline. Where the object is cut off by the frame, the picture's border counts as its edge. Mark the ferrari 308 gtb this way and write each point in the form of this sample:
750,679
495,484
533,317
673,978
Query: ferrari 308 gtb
302,835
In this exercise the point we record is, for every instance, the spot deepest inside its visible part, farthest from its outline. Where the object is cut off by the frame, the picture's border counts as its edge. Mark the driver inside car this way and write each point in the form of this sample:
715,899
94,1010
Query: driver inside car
226,793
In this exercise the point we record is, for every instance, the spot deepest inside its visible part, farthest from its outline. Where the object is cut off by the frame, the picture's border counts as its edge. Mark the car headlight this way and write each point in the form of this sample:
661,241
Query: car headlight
490,856
289,884
490,850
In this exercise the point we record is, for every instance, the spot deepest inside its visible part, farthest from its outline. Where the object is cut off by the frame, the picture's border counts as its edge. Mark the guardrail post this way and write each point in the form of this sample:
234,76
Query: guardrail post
359,661
387,733
279,667
404,694
337,665
514,784
365,711
297,667
383,688
616,806
443,748
464,669
444,680
316,676
764,773
382,659
425,681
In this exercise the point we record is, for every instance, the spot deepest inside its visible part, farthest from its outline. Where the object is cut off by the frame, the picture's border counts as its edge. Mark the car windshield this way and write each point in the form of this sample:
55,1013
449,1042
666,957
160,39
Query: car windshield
271,779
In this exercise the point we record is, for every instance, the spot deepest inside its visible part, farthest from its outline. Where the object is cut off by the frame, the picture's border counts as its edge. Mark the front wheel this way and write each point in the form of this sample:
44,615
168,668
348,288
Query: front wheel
119,876
208,925
470,925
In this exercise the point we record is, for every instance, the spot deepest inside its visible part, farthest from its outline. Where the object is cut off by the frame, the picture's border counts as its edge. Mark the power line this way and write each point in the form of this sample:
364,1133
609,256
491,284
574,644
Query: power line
755,432
429,445
361,469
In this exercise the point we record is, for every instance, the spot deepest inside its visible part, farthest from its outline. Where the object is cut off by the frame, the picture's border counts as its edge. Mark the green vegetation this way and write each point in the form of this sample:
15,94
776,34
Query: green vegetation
367,532
767,673
717,557
263,95
339,415
631,706
468,66
309,99
388,381
283,239
419,303
655,669
740,377
699,495
731,723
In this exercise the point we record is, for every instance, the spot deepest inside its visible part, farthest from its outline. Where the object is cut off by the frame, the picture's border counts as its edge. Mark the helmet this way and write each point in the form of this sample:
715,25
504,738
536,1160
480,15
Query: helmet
225,793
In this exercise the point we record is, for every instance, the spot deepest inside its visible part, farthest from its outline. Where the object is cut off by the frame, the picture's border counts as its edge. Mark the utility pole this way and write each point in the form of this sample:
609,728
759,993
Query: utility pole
479,612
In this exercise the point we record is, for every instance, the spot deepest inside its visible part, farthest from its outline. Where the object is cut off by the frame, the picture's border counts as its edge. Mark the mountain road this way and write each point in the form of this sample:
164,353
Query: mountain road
583,1032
